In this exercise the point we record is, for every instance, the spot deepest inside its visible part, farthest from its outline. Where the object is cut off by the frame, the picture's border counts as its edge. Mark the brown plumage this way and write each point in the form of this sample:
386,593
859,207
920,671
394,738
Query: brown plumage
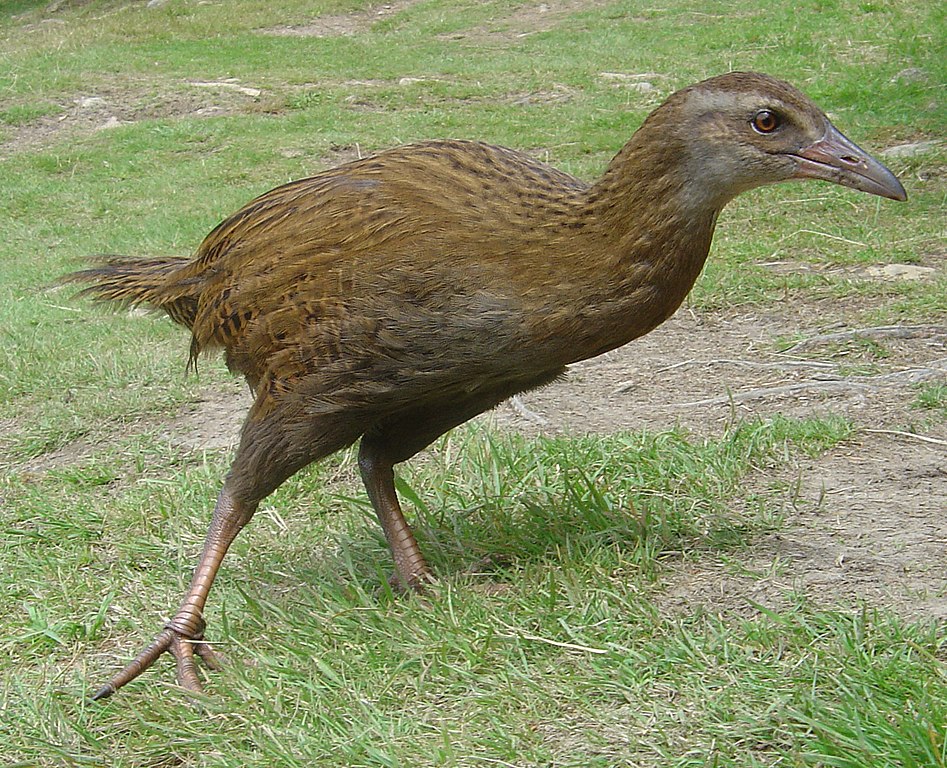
394,297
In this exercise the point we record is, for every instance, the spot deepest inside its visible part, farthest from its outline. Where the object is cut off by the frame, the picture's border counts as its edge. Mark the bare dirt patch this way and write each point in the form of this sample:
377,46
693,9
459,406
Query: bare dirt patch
111,105
212,422
867,526
867,521
342,24
526,20
701,371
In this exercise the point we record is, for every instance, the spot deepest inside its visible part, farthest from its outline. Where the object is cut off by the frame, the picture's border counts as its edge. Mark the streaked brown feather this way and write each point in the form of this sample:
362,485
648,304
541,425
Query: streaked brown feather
432,267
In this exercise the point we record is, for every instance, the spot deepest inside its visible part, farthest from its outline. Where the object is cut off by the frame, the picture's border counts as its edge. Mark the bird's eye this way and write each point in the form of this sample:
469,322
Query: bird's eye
765,121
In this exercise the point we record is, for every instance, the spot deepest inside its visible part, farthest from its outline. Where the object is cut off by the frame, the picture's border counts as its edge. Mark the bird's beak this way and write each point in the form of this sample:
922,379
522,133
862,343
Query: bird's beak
834,158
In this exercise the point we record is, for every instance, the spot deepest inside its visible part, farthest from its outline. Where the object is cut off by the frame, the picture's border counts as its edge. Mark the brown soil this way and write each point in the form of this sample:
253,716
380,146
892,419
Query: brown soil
867,521
111,105
342,24
524,21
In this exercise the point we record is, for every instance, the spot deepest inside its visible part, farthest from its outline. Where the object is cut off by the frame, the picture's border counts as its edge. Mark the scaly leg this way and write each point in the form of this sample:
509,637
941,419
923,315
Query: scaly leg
182,637
379,478
398,439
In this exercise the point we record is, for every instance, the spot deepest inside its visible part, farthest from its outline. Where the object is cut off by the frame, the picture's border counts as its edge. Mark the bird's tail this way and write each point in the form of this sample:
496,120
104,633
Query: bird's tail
148,282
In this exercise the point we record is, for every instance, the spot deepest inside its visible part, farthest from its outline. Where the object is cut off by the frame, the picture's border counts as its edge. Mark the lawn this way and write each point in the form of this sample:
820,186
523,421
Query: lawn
561,630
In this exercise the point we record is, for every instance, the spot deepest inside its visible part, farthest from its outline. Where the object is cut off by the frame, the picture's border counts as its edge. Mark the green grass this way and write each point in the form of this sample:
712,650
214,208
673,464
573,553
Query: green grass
932,397
557,656
544,641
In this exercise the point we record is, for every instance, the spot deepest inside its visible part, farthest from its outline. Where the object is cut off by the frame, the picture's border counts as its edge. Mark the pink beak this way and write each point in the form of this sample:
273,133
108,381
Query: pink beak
837,159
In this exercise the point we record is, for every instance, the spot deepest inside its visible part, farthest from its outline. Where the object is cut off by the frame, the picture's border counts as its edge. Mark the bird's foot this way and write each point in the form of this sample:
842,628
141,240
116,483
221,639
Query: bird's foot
400,585
416,583
179,645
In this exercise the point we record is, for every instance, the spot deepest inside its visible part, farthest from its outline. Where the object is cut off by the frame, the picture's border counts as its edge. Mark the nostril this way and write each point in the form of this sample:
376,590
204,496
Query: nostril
851,159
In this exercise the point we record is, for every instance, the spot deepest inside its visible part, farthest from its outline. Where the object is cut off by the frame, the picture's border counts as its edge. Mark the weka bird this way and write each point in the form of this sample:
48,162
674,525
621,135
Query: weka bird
397,296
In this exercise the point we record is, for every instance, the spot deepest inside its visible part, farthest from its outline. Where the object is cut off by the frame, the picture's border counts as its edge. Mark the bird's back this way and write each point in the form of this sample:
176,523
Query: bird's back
433,246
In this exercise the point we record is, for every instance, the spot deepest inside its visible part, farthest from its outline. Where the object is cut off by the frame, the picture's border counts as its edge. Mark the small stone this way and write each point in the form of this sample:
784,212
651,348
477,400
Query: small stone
643,87
910,150
229,85
91,102
639,82
901,272
112,122
628,76
910,75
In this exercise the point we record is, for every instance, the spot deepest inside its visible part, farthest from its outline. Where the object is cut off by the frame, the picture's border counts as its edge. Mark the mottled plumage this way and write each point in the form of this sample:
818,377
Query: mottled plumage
396,296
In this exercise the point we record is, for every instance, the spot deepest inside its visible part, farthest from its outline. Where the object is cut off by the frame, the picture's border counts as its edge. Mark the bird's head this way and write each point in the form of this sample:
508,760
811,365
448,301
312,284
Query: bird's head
742,130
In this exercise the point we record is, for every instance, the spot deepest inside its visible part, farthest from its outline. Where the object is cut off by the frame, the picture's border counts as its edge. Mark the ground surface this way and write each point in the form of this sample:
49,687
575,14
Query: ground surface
869,520
862,524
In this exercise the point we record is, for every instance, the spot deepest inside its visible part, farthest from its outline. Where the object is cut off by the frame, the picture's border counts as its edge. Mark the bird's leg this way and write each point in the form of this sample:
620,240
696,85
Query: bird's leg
183,636
378,475
397,440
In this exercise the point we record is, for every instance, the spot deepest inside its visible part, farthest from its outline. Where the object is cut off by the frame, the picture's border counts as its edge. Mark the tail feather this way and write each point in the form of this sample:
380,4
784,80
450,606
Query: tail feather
135,282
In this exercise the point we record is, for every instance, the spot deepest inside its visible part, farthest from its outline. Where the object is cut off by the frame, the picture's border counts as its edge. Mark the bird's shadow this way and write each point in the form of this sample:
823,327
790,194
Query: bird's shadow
493,539
501,506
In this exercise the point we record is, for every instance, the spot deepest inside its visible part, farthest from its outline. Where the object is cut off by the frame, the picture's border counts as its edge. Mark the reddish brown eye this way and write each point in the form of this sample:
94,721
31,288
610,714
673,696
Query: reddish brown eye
765,121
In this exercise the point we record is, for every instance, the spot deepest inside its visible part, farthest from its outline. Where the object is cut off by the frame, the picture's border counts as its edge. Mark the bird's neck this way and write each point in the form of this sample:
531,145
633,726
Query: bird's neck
656,234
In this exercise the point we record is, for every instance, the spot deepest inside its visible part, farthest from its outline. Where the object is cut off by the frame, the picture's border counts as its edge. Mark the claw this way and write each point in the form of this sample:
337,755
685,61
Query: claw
181,647
208,656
